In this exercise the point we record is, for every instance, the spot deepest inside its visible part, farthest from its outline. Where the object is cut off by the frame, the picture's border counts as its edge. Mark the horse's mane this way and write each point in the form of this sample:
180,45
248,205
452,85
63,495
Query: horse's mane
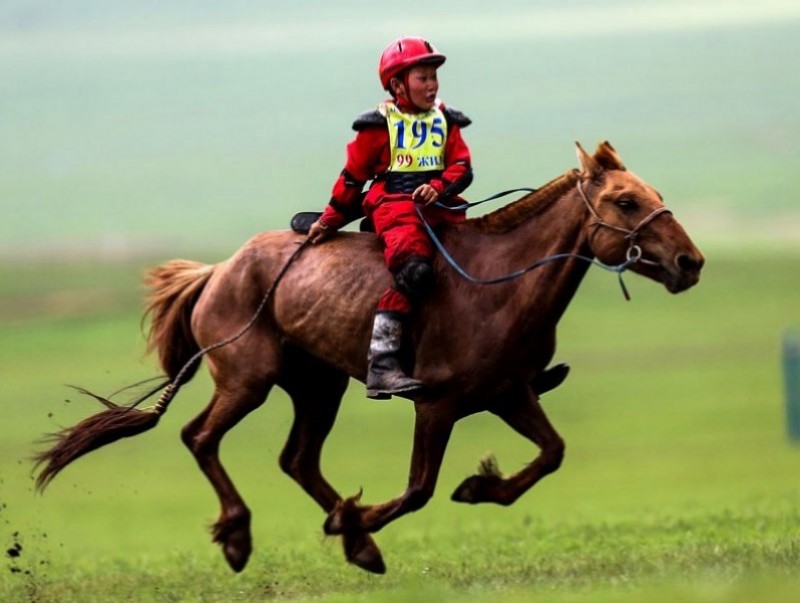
512,215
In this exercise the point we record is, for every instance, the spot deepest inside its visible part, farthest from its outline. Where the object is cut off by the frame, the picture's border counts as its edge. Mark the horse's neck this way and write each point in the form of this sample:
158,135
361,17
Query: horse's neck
531,229
559,229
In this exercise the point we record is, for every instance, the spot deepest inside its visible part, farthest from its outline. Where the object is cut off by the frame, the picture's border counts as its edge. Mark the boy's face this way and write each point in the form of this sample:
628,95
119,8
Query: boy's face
423,86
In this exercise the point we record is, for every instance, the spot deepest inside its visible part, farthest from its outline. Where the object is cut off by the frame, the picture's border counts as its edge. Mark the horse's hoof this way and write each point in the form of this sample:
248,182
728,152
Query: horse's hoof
482,489
233,535
237,555
236,546
360,550
468,491
479,489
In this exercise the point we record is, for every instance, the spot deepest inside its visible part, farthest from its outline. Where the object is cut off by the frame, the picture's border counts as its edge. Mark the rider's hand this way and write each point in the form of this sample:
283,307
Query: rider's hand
320,231
425,193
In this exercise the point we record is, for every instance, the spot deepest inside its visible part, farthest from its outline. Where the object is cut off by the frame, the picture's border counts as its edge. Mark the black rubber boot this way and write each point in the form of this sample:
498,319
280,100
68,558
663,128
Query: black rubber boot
549,379
386,377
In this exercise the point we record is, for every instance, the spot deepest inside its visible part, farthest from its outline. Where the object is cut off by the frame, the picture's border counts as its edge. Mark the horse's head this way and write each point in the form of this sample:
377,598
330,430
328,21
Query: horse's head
628,220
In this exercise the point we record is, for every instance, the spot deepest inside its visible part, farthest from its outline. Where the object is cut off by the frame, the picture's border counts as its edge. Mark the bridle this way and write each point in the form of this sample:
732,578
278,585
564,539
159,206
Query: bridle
634,253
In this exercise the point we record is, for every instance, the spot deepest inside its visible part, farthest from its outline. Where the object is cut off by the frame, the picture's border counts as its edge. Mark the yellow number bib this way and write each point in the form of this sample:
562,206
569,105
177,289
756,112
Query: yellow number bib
417,140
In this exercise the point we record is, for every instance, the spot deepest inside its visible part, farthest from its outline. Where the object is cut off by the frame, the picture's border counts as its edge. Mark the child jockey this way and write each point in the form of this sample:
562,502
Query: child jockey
411,150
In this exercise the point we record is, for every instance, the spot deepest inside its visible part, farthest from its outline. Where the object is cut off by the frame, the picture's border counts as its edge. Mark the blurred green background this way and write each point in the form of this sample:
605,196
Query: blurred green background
132,133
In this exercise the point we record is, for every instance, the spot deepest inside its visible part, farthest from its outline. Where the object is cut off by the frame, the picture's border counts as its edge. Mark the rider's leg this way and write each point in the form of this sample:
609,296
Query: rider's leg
386,376
407,251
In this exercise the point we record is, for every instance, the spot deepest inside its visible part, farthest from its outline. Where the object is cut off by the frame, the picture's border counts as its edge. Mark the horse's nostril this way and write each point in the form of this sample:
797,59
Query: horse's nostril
687,263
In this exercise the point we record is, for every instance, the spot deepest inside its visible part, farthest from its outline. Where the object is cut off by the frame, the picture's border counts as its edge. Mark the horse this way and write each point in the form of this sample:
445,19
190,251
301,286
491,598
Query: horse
476,348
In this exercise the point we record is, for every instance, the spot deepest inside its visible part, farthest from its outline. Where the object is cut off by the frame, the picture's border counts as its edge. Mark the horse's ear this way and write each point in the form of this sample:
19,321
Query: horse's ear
607,157
589,166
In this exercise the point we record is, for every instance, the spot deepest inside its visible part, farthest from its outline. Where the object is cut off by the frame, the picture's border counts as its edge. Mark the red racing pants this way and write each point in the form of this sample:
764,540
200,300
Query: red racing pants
404,237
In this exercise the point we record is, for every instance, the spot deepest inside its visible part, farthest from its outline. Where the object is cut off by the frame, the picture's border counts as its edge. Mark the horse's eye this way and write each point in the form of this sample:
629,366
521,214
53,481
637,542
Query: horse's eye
627,205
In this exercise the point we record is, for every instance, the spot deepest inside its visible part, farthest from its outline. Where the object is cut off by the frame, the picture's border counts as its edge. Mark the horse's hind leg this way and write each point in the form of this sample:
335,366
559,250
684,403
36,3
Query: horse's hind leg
202,435
524,414
316,391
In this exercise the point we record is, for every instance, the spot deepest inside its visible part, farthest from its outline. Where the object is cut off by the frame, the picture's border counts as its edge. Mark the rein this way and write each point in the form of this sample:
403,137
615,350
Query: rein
632,256
465,206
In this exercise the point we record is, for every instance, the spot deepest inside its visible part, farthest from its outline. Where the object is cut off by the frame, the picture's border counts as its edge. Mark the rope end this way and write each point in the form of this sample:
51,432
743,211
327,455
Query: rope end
623,287
160,407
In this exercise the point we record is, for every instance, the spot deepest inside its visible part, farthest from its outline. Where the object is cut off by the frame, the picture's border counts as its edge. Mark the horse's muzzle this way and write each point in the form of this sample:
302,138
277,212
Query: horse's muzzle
684,272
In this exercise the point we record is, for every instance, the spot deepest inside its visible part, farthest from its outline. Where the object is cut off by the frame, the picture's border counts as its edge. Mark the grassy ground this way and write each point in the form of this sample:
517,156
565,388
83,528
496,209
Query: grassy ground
132,134
678,484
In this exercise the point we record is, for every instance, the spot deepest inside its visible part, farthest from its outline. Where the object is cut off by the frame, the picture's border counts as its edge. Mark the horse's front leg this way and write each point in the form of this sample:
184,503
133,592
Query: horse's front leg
525,415
433,426
316,403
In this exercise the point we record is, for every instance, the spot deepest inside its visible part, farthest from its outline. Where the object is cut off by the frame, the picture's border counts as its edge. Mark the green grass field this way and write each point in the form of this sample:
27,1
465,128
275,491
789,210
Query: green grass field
679,481
132,133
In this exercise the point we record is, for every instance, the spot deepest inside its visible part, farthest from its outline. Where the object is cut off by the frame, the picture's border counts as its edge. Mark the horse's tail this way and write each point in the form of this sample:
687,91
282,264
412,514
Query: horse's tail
174,290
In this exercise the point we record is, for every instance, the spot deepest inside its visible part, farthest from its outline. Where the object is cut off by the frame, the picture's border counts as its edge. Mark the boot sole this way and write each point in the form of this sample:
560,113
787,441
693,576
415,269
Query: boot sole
380,394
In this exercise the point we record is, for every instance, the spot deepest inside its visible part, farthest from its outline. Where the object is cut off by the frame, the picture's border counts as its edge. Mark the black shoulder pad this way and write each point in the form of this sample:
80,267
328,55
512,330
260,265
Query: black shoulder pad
454,116
369,119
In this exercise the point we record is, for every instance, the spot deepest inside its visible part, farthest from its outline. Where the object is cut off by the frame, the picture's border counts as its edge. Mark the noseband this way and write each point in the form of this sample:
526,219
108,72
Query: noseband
634,253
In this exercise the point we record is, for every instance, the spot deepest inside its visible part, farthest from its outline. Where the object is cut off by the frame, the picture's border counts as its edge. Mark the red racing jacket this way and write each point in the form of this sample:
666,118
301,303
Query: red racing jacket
369,157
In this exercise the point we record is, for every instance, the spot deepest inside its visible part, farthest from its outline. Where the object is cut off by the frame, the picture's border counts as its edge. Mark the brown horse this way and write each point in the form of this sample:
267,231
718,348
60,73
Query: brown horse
476,347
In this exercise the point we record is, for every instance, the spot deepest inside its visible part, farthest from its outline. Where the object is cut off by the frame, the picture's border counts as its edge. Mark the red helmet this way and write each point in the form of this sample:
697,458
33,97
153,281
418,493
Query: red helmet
405,52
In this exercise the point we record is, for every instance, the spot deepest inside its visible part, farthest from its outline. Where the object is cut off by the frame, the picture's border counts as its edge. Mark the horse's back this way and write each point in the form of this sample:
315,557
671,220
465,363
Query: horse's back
324,302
